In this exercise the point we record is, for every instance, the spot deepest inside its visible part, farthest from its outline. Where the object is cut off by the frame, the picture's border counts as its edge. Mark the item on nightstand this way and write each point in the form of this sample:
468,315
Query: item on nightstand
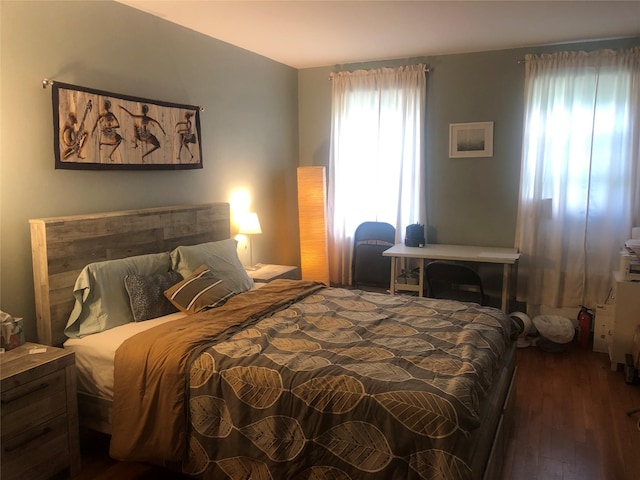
11,333
249,226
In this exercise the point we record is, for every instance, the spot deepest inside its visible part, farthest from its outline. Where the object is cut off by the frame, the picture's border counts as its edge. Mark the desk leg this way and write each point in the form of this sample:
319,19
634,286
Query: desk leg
421,279
392,281
506,287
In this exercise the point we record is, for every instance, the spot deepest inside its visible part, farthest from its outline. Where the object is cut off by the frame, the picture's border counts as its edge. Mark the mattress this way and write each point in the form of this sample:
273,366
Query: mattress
341,380
95,354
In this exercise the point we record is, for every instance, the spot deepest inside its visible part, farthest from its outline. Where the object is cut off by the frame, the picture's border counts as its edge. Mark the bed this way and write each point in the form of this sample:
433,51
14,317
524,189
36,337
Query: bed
291,380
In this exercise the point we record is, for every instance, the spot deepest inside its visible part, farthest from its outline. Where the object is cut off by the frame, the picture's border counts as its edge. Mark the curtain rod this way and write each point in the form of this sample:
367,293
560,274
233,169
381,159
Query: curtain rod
426,70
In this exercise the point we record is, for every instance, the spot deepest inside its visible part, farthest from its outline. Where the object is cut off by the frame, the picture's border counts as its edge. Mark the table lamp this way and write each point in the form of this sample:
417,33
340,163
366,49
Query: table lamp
249,225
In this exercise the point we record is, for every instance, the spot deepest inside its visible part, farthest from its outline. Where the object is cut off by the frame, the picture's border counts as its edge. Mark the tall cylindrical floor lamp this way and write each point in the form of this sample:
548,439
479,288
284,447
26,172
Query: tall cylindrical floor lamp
312,219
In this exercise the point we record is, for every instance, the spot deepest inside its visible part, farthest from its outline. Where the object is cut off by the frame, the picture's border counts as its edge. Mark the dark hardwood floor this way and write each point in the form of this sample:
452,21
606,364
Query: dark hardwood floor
571,424
571,419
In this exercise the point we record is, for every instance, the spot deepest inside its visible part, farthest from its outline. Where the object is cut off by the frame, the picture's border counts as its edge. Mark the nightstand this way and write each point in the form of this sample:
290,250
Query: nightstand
39,415
267,272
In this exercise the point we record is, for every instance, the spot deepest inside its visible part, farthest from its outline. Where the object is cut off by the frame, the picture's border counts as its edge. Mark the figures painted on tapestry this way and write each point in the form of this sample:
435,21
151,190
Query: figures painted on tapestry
74,136
143,134
186,135
109,125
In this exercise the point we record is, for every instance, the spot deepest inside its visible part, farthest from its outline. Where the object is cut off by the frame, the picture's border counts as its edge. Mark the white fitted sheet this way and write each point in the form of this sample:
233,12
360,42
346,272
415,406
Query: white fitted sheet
95,354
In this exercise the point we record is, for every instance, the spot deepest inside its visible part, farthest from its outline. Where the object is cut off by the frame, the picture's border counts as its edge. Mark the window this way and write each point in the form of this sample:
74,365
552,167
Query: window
376,160
579,182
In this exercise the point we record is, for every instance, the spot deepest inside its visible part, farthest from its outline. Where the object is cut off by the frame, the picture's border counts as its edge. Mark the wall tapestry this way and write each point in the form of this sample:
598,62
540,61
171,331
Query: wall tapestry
105,131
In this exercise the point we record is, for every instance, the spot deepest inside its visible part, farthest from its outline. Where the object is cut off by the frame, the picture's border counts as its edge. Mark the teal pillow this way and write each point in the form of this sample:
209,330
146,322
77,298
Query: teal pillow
220,257
101,299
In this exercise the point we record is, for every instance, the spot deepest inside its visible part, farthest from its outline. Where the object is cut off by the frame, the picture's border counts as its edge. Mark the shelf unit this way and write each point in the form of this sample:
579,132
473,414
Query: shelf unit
626,305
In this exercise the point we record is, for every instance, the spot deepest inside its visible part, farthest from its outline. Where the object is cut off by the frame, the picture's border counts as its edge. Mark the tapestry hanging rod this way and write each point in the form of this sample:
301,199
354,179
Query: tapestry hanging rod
47,82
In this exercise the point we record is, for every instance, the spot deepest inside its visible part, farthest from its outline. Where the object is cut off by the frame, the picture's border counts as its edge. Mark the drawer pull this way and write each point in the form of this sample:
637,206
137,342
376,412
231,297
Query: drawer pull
42,386
44,431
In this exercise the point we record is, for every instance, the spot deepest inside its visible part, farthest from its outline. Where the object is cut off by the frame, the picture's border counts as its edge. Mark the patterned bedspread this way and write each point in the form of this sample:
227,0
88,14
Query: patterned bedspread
345,384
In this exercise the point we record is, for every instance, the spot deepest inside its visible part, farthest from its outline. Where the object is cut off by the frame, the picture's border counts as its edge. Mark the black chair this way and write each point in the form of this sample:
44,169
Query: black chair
454,281
369,267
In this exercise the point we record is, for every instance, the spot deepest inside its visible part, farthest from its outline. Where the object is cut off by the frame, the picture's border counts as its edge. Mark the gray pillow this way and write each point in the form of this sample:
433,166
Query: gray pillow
146,294
220,257
101,299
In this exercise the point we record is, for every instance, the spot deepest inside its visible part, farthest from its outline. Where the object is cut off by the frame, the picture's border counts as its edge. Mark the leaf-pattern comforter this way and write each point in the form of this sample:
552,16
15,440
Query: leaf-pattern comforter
345,384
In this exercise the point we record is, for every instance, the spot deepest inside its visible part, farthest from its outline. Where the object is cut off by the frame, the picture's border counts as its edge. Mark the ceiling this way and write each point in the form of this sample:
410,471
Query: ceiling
305,34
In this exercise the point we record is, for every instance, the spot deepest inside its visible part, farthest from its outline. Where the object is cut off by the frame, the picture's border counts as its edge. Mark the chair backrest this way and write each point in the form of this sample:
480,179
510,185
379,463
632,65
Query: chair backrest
454,281
369,267
375,231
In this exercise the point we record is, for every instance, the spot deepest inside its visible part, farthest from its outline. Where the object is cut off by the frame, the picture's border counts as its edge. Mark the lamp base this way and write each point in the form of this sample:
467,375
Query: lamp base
253,268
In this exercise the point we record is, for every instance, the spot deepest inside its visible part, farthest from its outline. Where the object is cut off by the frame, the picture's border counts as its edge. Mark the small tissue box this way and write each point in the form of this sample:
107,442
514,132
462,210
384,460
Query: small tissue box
11,332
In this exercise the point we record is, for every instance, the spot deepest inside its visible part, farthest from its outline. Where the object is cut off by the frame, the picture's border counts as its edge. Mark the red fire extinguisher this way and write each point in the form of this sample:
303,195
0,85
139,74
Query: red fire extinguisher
585,318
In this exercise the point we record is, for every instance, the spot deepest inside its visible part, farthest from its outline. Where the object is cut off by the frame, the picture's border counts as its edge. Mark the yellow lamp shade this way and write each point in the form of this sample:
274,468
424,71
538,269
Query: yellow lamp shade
249,224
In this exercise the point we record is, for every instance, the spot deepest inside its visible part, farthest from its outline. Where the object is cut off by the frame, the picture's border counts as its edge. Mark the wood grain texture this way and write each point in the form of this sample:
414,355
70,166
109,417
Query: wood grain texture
62,246
39,424
571,419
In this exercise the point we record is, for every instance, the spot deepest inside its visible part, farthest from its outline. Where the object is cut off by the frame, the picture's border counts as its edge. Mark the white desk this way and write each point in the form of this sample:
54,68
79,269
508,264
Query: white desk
508,257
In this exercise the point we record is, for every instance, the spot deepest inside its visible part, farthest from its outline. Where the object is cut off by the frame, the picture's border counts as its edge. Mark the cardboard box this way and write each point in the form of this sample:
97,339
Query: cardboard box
602,328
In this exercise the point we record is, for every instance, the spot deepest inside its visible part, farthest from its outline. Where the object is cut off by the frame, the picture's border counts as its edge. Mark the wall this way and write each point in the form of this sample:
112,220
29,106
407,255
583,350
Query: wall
249,126
470,201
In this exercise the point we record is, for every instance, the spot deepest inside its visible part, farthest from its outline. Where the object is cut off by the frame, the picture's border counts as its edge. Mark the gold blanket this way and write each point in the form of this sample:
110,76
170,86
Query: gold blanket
149,421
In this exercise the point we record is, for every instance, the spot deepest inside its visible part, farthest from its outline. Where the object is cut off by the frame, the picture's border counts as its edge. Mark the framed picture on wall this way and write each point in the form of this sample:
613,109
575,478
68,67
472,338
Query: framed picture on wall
99,130
468,140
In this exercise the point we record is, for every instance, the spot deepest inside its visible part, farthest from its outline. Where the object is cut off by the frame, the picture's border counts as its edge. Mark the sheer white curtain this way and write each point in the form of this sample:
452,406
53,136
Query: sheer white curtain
580,181
376,166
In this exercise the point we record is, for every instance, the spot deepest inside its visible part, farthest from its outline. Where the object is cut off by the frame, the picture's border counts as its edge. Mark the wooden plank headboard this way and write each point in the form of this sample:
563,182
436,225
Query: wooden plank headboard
62,246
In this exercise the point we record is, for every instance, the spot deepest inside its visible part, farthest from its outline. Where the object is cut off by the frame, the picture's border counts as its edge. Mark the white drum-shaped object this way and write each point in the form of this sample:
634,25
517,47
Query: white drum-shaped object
555,328
524,322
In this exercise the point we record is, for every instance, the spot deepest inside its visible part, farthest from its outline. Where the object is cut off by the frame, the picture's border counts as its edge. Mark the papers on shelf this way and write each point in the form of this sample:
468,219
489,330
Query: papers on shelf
633,245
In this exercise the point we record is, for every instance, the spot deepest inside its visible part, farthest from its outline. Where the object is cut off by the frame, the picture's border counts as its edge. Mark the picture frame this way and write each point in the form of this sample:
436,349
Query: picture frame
470,140
98,130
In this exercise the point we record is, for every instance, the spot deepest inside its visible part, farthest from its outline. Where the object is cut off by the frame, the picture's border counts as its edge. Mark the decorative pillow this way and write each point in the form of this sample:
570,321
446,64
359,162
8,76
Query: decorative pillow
146,294
221,258
200,291
102,301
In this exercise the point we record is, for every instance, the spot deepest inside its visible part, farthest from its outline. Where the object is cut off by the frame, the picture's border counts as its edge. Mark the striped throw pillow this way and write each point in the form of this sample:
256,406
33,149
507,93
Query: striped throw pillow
199,291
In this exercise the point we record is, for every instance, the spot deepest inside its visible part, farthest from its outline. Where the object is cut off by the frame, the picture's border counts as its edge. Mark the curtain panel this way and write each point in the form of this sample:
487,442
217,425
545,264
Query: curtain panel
580,180
376,165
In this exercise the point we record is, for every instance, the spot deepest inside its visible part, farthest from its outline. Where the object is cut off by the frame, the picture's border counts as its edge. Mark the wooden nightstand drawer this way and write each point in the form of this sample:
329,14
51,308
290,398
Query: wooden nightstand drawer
39,435
34,402
36,452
